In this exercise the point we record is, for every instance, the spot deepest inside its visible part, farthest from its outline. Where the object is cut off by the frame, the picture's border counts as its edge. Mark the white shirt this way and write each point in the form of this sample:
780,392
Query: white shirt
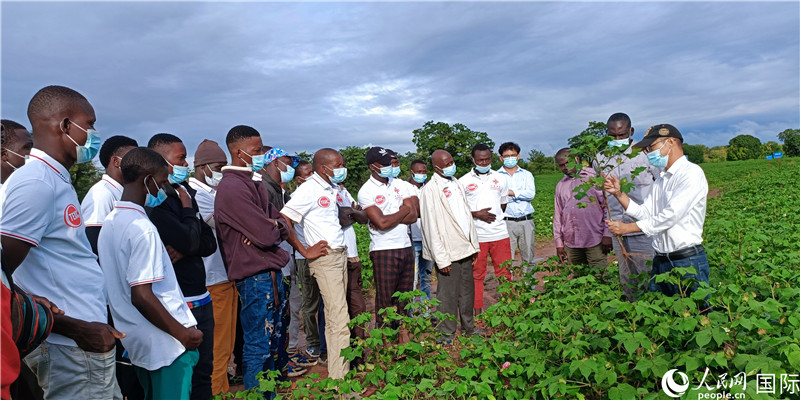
456,199
205,195
314,204
388,197
38,205
99,201
622,167
344,199
489,190
132,254
416,229
674,211
522,183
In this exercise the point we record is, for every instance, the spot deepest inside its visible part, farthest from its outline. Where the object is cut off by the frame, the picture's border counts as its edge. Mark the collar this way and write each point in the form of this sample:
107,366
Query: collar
679,164
56,166
127,205
443,179
502,170
379,183
111,181
477,175
235,168
325,185
257,177
201,185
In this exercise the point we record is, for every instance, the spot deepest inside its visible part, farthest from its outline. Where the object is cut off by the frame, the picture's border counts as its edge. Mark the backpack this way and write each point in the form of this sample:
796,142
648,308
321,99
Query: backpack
30,321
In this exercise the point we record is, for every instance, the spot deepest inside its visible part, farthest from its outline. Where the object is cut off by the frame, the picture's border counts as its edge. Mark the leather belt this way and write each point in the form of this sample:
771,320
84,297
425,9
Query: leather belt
682,253
525,218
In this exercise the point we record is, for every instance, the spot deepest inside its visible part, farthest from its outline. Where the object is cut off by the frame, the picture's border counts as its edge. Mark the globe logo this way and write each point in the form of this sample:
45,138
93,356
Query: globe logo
671,387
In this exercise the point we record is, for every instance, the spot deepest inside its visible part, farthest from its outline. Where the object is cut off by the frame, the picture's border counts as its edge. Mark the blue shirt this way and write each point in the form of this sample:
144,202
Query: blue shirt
524,188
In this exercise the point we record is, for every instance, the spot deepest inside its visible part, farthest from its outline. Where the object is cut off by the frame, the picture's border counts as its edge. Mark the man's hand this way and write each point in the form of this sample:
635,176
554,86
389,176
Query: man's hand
97,337
620,228
191,338
510,193
318,250
445,271
186,199
48,304
611,185
606,245
562,254
484,215
174,255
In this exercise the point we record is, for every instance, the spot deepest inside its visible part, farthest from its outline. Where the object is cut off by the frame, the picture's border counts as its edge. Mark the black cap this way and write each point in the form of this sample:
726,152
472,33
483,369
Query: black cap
379,155
658,131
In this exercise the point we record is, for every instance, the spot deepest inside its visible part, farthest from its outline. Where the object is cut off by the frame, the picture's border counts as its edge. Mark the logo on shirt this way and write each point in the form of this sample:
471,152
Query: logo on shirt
495,181
447,192
339,198
472,187
324,202
72,216
379,199
396,190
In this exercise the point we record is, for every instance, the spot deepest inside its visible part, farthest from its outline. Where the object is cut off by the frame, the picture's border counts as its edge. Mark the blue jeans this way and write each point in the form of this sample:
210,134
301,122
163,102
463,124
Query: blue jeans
264,324
663,264
423,270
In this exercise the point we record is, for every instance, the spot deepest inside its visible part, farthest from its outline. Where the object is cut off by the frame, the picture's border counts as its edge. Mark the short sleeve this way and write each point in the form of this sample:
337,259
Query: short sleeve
503,189
205,203
365,197
408,190
97,204
298,206
27,210
146,259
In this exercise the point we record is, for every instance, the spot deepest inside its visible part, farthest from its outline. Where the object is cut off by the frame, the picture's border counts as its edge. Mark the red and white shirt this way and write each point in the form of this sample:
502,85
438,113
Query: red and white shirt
314,205
344,199
388,197
99,201
489,190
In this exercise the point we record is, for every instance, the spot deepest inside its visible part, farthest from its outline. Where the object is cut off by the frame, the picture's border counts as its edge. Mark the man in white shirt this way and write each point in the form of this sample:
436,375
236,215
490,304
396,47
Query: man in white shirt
390,209
16,146
208,162
519,211
450,241
487,196
638,246
419,174
100,199
674,211
350,213
44,239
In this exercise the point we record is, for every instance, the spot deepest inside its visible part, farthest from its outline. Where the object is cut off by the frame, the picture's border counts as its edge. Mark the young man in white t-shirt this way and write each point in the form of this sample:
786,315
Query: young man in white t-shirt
143,292
487,196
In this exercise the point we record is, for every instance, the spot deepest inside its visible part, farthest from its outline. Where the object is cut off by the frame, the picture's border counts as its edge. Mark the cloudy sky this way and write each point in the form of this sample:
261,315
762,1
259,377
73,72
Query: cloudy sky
310,75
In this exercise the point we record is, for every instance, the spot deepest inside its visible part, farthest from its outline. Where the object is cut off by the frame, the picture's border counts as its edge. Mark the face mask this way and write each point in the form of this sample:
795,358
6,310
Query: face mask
619,143
395,172
178,175
11,165
153,201
214,179
656,159
339,175
385,172
257,161
449,171
482,170
90,147
420,178
288,175
25,157
510,162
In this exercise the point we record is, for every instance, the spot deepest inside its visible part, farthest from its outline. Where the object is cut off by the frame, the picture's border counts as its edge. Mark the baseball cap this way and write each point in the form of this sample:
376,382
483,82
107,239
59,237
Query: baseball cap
379,155
656,132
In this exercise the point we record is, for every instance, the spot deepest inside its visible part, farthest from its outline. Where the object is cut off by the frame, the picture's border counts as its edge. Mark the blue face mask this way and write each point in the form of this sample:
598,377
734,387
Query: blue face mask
153,201
619,143
257,161
420,178
482,170
287,175
449,171
385,172
656,159
90,148
395,172
510,162
339,175
178,175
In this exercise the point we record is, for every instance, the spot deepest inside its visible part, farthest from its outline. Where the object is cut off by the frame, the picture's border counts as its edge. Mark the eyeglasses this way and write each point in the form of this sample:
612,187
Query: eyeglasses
651,147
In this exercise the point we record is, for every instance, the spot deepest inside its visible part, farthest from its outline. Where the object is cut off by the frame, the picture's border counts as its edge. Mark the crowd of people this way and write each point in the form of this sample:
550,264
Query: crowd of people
141,286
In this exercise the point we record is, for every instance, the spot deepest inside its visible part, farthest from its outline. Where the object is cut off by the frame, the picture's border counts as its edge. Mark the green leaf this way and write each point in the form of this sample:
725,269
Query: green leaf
703,337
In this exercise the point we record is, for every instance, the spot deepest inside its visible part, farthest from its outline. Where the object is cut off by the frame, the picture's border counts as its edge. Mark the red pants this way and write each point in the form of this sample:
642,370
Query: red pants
500,251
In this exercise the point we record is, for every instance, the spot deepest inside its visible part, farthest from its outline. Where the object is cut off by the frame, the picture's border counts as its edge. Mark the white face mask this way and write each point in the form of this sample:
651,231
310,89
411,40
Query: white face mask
214,179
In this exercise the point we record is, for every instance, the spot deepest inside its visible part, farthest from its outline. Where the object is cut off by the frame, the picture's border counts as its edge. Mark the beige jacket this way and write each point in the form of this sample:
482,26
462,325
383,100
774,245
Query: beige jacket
443,241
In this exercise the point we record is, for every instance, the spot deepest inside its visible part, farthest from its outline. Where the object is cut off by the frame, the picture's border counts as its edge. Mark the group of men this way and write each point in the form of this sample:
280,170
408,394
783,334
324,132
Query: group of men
162,264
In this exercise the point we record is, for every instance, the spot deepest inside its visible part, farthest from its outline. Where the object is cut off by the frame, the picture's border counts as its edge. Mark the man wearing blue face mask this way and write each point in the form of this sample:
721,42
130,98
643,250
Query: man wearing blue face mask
519,211
673,212
188,239
638,246
419,174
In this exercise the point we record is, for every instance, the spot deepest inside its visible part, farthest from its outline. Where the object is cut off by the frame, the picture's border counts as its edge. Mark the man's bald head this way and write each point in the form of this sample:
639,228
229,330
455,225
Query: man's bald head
441,159
326,160
55,103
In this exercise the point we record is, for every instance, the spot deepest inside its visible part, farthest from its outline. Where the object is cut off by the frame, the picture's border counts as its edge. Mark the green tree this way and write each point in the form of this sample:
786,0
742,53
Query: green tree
695,152
538,163
357,170
771,147
744,147
791,142
84,176
716,154
456,139
596,129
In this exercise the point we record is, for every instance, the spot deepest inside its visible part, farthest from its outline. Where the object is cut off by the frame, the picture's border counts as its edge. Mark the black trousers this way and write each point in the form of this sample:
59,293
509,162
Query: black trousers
201,375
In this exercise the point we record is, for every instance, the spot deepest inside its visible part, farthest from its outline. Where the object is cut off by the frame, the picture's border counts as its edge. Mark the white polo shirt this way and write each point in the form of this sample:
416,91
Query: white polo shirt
132,254
205,195
298,232
314,204
99,201
388,198
38,205
454,193
344,199
489,190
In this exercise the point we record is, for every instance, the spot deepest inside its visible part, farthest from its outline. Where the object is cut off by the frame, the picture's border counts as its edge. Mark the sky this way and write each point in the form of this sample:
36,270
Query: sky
313,75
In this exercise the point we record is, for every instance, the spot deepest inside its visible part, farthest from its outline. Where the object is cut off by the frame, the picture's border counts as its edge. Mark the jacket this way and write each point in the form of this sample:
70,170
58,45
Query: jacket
443,241
241,213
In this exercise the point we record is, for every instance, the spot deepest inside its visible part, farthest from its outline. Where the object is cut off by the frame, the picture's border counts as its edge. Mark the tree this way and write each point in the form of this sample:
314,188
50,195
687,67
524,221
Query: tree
84,176
597,129
357,170
695,152
744,147
457,139
771,147
791,142
538,163
716,154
